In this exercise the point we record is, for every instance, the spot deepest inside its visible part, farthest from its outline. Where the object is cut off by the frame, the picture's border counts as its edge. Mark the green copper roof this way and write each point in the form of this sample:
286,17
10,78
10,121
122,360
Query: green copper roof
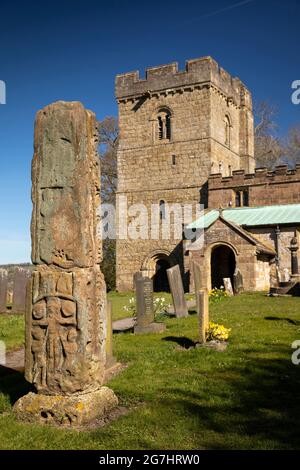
252,216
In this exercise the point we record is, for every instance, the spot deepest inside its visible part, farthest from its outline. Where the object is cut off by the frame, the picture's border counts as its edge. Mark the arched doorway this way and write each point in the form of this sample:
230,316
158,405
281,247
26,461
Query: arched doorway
155,266
222,265
160,278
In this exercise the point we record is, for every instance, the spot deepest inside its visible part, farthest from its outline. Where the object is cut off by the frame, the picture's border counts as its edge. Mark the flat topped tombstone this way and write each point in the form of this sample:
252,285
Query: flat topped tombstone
144,301
227,285
238,284
176,287
21,278
3,290
66,316
144,308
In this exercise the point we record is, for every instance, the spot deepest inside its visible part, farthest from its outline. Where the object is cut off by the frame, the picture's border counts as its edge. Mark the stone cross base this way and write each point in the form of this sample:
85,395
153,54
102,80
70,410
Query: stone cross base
65,410
150,328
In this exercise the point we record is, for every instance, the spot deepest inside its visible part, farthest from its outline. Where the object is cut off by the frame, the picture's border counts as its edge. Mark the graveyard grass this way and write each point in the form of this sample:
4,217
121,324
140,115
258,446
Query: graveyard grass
179,398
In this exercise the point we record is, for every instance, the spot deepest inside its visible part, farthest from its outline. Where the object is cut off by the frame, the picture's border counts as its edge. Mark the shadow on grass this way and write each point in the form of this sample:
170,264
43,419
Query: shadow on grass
13,384
253,404
193,312
288,320
183,341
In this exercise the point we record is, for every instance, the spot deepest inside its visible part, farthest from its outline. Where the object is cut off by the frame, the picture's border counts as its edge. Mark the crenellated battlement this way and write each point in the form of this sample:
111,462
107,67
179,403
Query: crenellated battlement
198,72
239,178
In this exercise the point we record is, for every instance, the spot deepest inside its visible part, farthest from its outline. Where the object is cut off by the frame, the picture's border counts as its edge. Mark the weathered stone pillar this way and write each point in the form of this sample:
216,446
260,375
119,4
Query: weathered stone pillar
3,290
66,300
294,247
110,359
203,314
277,245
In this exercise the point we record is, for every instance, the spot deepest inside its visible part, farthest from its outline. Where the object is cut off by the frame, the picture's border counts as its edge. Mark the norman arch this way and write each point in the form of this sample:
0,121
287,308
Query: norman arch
221,260
155,266
162,120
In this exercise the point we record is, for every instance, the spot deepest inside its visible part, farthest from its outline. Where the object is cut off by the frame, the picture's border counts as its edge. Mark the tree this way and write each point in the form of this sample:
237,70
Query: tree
268,147
292,147
108,144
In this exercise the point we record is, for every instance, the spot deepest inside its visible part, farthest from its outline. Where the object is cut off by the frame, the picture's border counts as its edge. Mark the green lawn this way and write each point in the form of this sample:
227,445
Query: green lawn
244,398
12,330
119,301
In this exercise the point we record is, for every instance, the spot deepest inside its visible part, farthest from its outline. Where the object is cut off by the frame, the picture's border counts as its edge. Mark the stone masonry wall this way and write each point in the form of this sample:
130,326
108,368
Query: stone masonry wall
245,254
281,186
286,234
134,255
176,169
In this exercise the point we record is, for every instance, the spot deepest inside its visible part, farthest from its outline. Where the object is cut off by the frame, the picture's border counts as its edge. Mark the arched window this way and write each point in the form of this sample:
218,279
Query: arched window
227,131
242,198
164,129
238,199
162,209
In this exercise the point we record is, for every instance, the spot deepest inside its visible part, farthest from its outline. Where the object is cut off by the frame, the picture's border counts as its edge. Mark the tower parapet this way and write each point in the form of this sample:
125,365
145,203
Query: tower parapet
198,72
265,187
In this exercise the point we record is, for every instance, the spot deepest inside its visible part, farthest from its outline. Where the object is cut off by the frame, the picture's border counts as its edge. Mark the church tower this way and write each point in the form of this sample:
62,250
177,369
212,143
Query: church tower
176,128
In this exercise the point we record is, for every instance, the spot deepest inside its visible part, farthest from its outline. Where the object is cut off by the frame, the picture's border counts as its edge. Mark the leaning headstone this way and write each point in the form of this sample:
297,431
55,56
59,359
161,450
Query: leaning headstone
144,308
3,290
238,285
228,285
110,359
176,287
66,300
203,314
21,278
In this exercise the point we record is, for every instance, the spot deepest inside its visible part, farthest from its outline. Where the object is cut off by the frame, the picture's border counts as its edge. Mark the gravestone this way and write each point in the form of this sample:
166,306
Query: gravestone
9,297
136,276
110,359
197,276
21,278
144,308
285,275
197,280
273,275
238,284
228,285
66,303
3,290
294,247
176,287
203,314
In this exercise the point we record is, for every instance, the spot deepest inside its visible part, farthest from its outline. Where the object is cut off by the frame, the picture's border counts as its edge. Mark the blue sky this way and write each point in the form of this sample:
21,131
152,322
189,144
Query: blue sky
72,50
